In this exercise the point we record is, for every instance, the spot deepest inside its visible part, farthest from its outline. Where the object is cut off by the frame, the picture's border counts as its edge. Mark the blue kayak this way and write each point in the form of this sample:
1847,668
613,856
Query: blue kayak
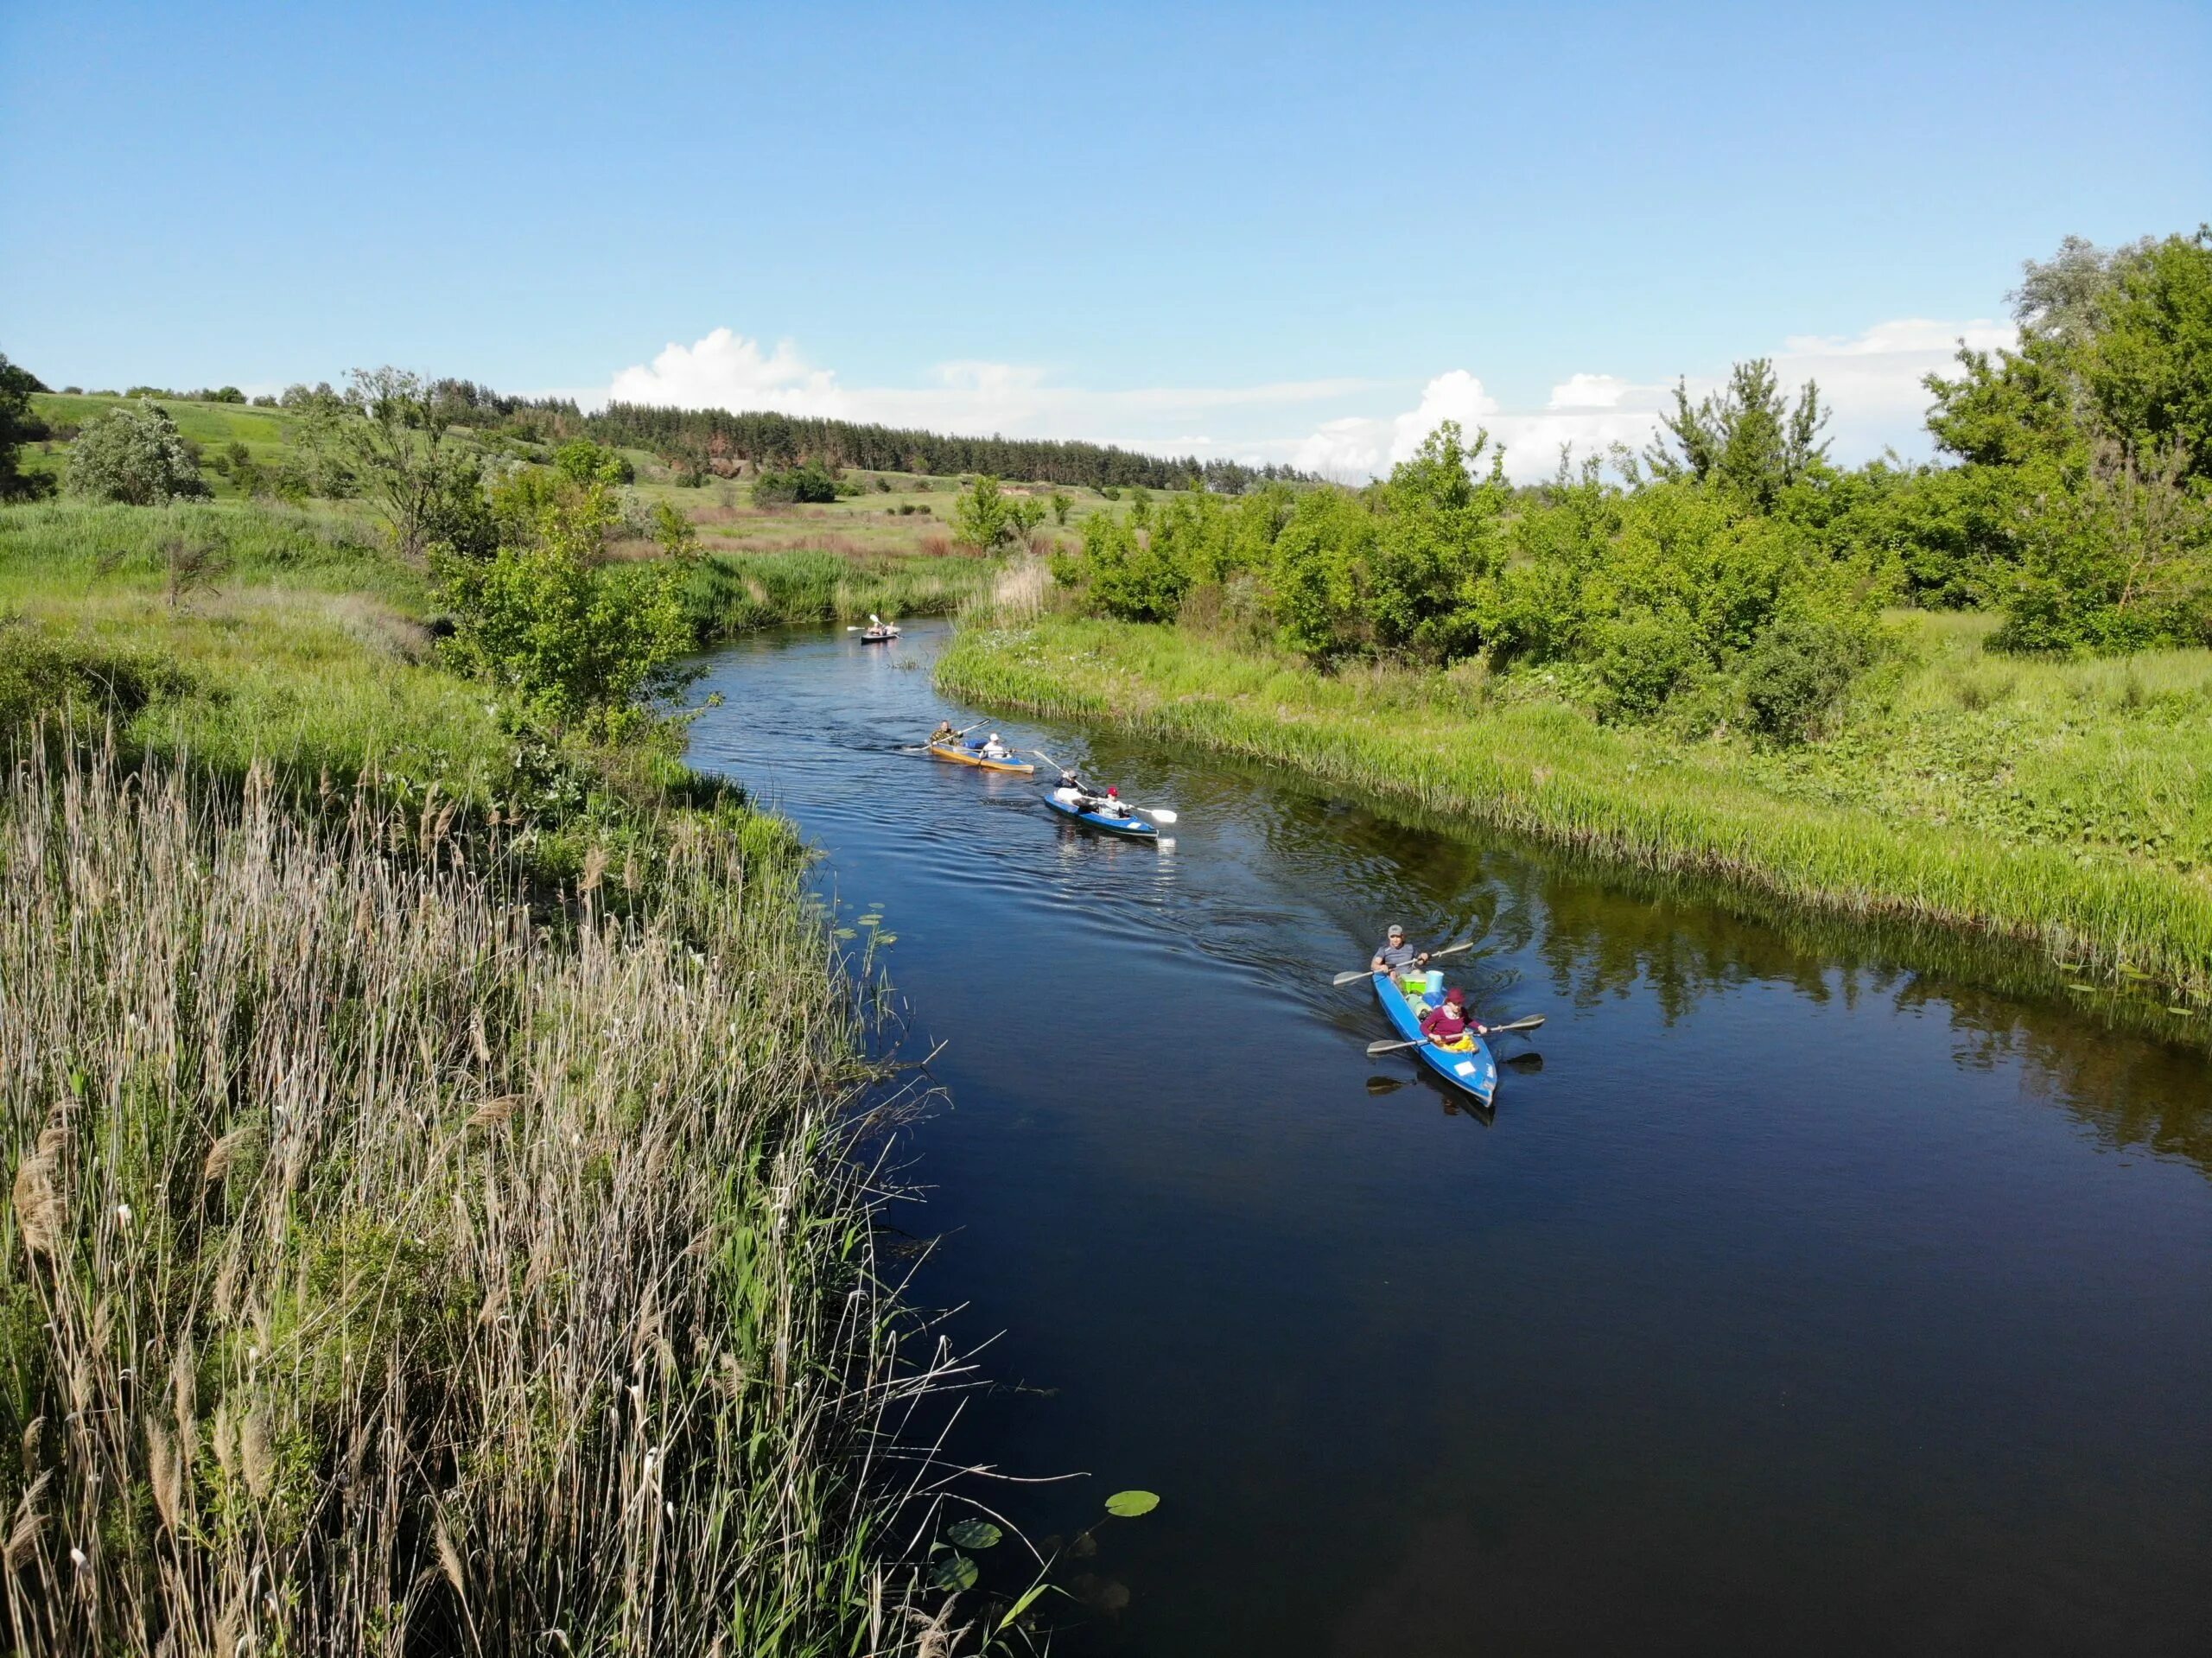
1471,1068
1135,827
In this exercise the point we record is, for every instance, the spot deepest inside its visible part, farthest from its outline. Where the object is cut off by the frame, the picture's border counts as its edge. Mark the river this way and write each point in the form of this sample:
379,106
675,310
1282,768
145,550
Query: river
1795,1302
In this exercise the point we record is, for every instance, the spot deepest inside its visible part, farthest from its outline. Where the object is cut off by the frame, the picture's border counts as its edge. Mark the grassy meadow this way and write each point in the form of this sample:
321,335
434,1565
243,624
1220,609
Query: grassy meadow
2064,806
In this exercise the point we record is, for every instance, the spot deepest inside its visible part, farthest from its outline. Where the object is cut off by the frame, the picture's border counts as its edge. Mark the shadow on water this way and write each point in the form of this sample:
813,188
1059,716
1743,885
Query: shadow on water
1820,1289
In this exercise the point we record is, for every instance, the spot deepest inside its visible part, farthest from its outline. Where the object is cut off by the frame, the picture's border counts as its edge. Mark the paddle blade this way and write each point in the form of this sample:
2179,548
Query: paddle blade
1158,814
1351,978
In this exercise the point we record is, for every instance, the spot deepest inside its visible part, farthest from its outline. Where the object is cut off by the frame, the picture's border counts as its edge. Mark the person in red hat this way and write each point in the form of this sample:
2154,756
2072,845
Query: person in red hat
1445,1024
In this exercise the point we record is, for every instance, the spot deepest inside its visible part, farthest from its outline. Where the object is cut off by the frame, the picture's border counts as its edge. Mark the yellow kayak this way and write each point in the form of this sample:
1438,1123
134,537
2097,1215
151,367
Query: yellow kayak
963,757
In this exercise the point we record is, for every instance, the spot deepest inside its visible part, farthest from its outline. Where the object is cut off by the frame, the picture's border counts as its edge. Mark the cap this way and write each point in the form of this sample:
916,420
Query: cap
1396,931
1455,995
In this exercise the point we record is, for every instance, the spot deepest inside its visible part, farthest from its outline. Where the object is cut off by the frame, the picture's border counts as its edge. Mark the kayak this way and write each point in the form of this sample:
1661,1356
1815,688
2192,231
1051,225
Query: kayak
967,757
1471,1068
1135,827
878,635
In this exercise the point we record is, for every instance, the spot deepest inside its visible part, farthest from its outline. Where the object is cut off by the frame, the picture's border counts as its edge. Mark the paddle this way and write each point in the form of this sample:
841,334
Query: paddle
1158,814
1373,1049
923,749
1368,973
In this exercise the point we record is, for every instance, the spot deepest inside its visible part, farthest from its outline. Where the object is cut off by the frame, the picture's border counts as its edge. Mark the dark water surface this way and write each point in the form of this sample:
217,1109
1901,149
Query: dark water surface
1797,1303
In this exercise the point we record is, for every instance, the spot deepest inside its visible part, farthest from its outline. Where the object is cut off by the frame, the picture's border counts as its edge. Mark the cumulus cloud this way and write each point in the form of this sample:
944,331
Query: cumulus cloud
727,370
1871,379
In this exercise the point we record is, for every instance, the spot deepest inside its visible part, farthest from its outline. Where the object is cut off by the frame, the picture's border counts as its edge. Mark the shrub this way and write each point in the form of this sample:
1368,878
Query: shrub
808,484
136,456
1642,664
1795,676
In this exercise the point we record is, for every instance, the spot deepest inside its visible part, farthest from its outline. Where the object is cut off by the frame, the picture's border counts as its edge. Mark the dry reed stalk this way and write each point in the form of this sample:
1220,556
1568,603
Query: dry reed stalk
261,976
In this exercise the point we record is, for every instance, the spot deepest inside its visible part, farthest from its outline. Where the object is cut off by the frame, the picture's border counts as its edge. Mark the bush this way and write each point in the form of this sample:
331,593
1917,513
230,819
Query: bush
136,456
1643,663
1796,676
808,484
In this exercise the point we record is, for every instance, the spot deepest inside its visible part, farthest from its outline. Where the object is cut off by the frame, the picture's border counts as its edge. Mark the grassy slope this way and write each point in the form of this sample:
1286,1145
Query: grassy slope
1959,796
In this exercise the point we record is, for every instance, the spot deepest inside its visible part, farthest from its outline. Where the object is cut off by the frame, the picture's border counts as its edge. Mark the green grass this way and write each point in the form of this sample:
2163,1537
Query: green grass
1888,823
732,592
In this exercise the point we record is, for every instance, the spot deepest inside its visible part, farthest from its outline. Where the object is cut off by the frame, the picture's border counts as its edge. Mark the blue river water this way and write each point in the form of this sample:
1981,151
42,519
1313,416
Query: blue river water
1791,1300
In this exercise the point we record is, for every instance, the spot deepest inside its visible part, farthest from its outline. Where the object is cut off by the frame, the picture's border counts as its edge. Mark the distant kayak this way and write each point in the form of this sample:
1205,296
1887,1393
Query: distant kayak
1135,827
1471,1068
882,635
969,757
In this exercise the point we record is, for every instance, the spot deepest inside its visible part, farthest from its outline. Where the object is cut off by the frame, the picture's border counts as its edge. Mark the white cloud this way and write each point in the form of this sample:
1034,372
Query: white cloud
726,370
1871,379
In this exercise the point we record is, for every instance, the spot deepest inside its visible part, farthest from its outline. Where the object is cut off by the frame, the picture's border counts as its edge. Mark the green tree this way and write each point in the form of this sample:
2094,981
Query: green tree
135,454
580,646
396,441
981,518
1747,437
19,423
1062,504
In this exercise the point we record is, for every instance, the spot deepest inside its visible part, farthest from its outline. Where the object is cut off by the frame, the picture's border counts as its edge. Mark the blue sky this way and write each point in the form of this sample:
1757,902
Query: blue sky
1281,231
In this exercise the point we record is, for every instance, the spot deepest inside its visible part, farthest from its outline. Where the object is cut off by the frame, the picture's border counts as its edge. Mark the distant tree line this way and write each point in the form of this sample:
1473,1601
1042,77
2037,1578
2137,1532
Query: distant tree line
702,440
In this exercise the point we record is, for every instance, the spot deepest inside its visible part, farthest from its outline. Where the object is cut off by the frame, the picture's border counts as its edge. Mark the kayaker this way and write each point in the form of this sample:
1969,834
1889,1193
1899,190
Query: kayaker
993,749
1448,1023
945,736
1397,958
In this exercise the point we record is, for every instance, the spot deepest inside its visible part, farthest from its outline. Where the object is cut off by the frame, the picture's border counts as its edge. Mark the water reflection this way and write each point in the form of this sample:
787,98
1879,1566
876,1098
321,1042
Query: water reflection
1791,1300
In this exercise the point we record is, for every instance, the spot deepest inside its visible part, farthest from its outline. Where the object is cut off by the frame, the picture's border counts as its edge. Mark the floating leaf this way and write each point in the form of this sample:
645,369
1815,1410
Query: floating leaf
870,920
1130,1504
2186,1012
887,938
847,932
2083,989
953,1572
974,1534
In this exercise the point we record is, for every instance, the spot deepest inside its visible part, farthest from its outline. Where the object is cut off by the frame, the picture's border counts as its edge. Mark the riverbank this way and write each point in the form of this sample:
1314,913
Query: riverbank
439,1172
1973,814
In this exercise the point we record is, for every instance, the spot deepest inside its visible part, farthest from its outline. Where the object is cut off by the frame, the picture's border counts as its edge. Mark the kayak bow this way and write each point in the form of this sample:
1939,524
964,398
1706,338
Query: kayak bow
1471,1068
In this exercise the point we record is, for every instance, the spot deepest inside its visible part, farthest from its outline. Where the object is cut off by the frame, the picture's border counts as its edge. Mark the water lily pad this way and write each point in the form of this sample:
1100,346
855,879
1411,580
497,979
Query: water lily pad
953,1572
869,920
974,1534
1130,1504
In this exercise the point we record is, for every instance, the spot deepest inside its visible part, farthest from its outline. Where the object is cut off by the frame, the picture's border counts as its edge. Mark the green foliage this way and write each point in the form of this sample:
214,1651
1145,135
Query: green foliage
576,642
2093,442
582,461
1796,675
19,424
1062,503
1129,1504
807,484
1642,661
981,518
1745,438
395,440
134,455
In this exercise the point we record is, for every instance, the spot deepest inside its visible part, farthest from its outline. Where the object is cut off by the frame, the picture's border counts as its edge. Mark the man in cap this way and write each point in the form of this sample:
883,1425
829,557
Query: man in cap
1397,958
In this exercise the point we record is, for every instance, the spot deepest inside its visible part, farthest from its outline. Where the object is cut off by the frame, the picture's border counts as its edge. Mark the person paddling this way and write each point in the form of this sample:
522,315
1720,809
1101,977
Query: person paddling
1446,1025
993,749
1397,958
1085,798
945,736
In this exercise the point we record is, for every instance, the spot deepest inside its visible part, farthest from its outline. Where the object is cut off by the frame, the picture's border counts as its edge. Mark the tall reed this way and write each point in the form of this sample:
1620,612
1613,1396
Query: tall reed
392,1267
